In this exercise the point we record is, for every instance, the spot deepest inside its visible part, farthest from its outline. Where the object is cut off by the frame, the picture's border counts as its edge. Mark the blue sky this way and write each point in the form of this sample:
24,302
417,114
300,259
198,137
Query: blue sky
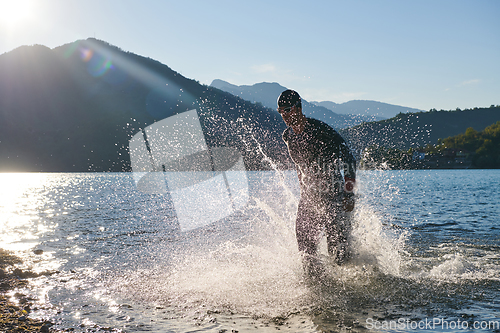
423,54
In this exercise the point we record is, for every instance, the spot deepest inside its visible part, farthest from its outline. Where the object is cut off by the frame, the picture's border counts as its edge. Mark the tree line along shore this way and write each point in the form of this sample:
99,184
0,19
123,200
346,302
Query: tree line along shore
470,150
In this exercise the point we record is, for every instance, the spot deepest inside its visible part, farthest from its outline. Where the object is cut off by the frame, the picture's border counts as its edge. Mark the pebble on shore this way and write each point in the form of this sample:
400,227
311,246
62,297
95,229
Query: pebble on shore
14,318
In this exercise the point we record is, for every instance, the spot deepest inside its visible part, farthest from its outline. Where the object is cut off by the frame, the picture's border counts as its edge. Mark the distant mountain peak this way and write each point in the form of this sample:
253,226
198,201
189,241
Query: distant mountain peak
367,108
74,108
267,94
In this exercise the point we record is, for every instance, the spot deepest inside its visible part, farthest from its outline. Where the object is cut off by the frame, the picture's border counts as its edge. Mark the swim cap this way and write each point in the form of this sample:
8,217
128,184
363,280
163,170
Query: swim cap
289,98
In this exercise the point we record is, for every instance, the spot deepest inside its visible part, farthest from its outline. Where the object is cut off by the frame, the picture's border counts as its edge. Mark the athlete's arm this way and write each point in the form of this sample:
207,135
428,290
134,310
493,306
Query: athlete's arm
349,163
338,145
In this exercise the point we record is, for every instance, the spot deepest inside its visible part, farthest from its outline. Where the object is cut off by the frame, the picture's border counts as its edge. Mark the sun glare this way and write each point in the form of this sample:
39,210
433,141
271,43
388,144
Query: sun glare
14,13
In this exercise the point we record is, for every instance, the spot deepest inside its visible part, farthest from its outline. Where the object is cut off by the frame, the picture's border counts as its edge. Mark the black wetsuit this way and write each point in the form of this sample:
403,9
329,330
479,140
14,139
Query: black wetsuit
319,154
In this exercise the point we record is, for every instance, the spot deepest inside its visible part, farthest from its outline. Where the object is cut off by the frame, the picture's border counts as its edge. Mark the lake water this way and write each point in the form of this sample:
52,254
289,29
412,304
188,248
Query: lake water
426,256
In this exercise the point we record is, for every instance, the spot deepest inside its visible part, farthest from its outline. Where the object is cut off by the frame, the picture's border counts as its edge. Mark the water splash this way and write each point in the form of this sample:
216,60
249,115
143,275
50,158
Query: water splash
246,268
260,273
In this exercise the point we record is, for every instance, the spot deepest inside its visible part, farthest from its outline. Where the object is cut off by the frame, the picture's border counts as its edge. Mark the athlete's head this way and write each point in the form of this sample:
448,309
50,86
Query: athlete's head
290,107
289,98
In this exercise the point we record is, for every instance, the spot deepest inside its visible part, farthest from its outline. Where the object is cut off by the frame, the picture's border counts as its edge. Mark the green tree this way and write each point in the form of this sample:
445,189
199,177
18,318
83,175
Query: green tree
485,145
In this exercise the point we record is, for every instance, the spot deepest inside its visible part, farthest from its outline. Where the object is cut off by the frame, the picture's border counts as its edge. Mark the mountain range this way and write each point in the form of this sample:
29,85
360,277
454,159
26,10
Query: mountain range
361,121
75,107
367,108
346,114
267,94
414,130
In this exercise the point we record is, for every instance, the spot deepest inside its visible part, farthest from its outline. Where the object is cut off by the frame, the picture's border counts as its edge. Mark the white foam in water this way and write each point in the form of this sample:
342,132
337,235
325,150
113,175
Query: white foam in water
263,278
245,279
372,242
258,273
454,265
262,275
248,265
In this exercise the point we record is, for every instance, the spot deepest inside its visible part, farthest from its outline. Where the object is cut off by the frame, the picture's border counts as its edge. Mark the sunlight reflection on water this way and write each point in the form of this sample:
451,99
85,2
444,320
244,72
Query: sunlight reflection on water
117,251
19,203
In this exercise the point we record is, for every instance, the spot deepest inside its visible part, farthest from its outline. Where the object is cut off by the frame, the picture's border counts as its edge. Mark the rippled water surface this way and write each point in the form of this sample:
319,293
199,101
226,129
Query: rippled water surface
426,244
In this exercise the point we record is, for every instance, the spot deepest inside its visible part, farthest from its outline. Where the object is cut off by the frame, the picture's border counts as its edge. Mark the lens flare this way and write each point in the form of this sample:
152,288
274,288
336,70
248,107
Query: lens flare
86,54
98,65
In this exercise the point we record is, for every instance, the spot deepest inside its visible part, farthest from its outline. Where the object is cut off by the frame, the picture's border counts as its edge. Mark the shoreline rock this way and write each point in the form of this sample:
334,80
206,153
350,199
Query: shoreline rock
14,317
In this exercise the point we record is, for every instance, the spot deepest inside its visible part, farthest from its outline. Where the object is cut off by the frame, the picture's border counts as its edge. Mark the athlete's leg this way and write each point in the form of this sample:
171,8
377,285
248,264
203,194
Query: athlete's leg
337,231
343,247
332,228
308,228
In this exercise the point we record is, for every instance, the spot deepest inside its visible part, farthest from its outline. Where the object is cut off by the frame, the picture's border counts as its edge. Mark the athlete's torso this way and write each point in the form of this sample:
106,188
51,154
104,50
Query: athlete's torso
319,154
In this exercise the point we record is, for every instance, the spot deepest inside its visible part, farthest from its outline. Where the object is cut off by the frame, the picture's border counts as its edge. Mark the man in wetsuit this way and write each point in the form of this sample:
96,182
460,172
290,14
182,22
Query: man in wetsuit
326,196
